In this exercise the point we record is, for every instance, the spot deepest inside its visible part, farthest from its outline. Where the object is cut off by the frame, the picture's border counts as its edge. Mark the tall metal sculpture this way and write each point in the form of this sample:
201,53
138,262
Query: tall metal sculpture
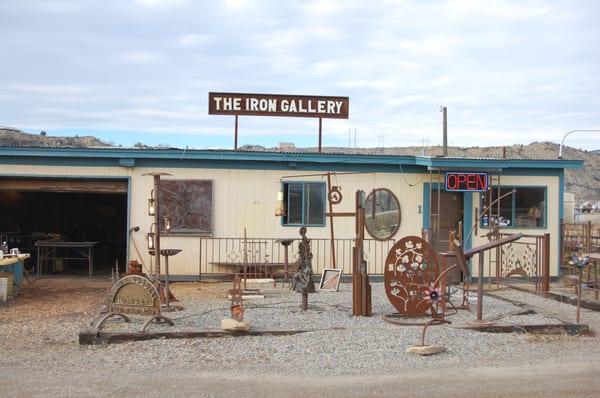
303,278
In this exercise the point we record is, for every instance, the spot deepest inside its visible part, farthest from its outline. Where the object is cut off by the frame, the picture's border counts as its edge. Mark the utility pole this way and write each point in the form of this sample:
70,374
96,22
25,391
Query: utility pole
444,111
354,138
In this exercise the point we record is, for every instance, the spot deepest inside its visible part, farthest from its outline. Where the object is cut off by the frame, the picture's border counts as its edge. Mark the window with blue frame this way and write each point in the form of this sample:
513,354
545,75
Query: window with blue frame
304,204
526,208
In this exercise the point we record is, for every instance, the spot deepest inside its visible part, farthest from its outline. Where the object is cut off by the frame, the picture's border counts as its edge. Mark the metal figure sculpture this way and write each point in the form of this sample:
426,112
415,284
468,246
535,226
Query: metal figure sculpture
303,278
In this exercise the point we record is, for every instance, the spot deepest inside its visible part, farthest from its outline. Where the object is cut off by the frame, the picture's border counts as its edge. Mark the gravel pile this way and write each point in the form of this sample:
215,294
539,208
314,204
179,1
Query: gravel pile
41,334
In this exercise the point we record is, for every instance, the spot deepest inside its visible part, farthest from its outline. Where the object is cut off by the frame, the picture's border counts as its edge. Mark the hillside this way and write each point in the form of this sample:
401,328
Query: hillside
12,137
584,183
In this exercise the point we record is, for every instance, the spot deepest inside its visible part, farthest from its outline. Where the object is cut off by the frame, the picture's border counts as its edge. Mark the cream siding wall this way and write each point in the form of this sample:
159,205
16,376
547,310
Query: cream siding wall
246,199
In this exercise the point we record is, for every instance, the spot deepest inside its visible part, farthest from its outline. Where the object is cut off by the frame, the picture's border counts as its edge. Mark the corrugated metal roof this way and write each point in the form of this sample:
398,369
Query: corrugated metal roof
275,151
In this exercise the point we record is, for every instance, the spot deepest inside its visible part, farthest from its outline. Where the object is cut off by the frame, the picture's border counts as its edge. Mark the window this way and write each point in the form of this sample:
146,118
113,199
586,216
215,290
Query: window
304,203
526,208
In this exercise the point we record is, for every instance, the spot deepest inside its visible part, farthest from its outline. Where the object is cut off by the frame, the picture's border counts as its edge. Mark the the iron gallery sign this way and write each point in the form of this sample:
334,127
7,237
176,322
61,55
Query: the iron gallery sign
278,105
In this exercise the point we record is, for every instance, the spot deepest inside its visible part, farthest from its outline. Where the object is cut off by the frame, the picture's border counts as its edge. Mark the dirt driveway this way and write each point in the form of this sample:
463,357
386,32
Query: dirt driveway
40,357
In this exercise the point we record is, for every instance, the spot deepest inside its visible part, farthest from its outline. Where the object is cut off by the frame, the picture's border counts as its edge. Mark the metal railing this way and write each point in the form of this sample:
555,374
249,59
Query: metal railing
525,260
266,256
579,237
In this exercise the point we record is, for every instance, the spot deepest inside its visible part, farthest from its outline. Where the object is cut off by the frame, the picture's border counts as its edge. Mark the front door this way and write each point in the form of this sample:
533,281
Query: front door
448,219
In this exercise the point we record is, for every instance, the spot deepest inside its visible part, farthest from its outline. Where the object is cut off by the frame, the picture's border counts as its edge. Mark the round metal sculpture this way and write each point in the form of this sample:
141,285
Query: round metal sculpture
411,269
382,214
335,195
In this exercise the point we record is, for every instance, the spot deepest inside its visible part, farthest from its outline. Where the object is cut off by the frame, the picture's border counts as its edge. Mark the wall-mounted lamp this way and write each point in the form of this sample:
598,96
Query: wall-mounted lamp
151,236
167,224
151,205
279,208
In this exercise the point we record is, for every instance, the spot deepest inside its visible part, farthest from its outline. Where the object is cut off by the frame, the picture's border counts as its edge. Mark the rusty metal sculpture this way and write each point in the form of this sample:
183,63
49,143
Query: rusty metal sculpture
411,270
302,281
132,294
361,288
237,304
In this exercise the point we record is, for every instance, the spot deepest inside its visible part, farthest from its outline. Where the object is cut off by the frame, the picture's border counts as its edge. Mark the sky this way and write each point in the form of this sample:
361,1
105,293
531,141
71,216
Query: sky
129,71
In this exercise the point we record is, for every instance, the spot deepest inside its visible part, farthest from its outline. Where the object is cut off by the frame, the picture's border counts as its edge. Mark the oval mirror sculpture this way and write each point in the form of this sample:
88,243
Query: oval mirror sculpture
382,214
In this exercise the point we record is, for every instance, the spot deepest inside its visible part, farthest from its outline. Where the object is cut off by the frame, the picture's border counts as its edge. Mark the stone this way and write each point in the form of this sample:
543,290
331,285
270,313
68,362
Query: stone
426,349
231,325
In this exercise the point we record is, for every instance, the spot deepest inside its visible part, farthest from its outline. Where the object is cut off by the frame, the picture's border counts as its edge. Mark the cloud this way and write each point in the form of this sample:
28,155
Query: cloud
506,70
54,89
161,4
140,57
193,39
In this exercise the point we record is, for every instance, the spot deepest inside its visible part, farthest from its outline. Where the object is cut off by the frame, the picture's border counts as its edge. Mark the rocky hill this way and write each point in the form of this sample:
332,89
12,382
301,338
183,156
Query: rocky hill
13,137
584,183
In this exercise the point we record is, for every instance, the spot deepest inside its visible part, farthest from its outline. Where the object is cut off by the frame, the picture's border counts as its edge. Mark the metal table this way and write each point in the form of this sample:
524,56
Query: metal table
14,264
52,250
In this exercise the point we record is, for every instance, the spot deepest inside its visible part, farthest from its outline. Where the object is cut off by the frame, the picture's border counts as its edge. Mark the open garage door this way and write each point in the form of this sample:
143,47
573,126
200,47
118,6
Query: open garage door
70,210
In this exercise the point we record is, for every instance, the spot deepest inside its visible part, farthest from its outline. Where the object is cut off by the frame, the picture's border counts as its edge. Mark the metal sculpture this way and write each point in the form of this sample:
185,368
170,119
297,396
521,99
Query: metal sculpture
335,193
411,270
237,305
361,288
133,294
580,261
302,281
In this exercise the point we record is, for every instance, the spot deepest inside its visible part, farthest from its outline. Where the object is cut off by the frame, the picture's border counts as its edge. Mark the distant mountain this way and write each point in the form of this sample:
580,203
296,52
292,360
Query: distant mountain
584,183
14,137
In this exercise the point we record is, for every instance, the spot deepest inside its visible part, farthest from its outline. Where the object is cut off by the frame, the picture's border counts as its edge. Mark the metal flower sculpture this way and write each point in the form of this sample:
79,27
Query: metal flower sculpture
579,260
433,295
410,271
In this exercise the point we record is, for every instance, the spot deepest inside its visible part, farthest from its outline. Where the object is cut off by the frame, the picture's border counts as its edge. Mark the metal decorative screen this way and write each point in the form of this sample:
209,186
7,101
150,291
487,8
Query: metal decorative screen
188,204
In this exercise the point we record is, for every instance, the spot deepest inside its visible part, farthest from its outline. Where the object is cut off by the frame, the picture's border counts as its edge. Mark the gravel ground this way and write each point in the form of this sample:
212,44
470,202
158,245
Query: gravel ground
39,339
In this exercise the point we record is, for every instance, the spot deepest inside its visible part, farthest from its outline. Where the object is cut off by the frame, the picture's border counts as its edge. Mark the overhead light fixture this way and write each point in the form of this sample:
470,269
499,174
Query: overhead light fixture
151,204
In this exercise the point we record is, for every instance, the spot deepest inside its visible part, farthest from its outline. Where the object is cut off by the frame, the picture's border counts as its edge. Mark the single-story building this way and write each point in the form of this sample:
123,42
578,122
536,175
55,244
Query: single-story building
221,204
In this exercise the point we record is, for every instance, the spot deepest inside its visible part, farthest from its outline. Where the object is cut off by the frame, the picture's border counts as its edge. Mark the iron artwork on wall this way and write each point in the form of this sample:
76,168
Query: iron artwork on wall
382,214
188,205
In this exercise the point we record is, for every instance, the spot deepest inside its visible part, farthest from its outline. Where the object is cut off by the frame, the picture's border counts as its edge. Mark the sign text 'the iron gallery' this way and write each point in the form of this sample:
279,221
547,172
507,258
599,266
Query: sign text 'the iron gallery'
278,105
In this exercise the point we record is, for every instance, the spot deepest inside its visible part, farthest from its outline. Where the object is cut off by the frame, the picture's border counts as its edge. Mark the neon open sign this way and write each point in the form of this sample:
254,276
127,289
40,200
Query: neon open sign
466,181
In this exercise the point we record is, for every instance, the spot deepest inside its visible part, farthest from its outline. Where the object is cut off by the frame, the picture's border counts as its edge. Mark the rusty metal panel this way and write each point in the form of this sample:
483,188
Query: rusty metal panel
278,105
188,204
411,269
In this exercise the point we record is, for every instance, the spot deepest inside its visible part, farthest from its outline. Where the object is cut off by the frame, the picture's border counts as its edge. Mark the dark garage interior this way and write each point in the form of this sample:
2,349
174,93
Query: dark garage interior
31,215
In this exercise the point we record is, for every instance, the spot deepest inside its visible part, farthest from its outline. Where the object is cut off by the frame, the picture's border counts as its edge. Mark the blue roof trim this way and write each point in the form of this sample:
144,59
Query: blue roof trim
259,160
494,163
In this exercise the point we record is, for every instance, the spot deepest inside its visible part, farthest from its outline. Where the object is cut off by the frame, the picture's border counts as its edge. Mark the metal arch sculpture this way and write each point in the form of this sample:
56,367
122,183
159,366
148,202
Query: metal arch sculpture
134,294
411,270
